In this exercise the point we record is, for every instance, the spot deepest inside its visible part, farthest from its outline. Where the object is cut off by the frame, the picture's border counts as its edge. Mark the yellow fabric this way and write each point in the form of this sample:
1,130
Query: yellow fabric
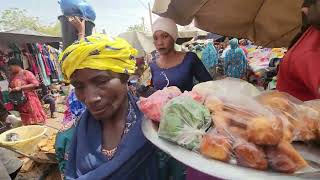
99,52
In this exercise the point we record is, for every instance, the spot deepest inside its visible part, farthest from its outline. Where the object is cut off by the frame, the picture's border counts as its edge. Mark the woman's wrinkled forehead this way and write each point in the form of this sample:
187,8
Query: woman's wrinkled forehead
87,74
84,76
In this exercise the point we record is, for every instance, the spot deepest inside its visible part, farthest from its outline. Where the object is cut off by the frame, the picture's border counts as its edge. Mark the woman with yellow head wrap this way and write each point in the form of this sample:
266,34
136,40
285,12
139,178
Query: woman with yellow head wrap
108,142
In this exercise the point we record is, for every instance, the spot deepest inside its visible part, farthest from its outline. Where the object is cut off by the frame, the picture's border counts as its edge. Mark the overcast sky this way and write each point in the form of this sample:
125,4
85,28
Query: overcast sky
112,15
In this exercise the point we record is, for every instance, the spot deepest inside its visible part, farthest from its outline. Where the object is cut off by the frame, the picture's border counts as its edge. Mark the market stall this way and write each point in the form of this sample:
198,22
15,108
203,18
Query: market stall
37,57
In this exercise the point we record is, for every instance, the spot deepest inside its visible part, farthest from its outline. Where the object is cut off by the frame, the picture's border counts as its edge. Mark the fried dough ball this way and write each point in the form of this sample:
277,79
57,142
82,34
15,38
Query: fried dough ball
264,131
278,101
250,155
284,158
216,146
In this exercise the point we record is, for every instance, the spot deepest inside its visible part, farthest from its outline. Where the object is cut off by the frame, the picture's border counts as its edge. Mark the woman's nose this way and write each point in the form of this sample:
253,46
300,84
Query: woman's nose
92,96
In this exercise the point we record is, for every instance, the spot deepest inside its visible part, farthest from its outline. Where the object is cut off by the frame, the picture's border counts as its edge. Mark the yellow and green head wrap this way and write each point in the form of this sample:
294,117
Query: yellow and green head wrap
99,52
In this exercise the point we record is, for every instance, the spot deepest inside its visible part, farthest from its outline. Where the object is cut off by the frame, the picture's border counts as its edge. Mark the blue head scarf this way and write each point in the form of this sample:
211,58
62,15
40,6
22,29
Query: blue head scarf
210,56
235,62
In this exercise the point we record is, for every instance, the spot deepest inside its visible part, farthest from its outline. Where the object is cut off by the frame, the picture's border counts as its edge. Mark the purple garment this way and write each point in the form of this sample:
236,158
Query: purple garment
181,75
193,174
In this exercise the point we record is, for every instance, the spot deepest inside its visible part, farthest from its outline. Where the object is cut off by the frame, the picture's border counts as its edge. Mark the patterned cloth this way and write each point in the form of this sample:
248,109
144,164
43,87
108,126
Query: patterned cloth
74,108
235,62
210,58
31,112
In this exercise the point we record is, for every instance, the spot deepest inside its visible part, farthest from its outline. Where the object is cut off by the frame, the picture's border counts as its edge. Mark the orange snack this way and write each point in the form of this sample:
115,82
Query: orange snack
213,103
216,146
284,158
263,131
250,155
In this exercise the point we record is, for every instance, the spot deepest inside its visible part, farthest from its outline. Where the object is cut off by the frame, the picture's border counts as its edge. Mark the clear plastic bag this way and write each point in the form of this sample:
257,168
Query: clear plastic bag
252,128
227,85
153,105
243,117
303,117
184,121
216,146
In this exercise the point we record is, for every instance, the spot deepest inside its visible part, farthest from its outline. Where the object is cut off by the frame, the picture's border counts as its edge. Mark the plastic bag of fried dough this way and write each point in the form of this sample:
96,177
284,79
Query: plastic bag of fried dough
227,85
250,128
244,117
302,117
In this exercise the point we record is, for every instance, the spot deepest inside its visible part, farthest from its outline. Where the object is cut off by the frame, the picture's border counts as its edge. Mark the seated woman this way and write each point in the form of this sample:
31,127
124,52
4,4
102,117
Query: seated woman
108,142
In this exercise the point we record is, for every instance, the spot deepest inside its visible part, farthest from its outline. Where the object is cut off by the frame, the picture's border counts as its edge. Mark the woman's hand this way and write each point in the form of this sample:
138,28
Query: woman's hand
79,24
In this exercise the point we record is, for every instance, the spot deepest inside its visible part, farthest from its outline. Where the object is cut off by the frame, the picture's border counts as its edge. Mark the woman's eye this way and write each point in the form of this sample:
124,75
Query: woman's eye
102,82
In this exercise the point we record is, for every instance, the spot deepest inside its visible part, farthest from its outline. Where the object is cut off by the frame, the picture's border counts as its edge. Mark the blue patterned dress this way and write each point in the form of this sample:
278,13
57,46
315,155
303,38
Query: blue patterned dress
235,62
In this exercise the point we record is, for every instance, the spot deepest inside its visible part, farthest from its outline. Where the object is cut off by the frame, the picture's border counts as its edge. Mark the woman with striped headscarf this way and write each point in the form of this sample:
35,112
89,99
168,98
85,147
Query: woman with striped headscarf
108,142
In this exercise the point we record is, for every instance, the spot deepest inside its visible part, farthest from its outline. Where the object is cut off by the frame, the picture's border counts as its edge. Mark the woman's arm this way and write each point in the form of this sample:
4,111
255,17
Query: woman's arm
32,82
200,72
29,87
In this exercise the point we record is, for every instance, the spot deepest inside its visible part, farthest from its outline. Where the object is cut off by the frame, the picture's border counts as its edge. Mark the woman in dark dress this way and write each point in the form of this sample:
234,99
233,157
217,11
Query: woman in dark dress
173,68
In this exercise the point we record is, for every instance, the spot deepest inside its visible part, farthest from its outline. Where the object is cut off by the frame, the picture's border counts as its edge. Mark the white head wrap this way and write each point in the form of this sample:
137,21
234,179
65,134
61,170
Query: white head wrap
167,25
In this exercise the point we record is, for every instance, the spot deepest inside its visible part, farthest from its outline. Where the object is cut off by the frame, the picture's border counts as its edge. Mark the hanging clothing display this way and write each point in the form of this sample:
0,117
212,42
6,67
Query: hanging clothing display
40,59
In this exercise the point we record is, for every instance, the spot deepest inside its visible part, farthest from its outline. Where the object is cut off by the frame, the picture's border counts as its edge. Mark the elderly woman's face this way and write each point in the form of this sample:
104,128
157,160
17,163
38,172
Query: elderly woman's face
102,92
163,42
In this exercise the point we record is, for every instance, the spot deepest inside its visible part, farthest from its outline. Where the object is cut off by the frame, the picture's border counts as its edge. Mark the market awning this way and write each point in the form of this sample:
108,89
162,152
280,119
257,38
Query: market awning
27,36
141,41
267,23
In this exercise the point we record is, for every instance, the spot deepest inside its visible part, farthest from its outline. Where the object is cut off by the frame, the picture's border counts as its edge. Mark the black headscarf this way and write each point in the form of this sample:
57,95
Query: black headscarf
14,62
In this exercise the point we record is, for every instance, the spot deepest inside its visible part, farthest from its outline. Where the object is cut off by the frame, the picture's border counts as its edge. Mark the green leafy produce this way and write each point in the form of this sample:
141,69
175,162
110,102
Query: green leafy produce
184,121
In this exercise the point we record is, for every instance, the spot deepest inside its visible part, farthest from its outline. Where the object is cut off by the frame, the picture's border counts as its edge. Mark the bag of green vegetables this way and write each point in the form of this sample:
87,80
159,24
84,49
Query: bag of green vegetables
184,121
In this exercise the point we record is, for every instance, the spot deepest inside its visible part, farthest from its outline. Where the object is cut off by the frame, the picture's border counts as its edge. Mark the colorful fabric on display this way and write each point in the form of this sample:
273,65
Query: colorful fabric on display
54,55
299,71
259,58
134,159
235,62
99,52
45,78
